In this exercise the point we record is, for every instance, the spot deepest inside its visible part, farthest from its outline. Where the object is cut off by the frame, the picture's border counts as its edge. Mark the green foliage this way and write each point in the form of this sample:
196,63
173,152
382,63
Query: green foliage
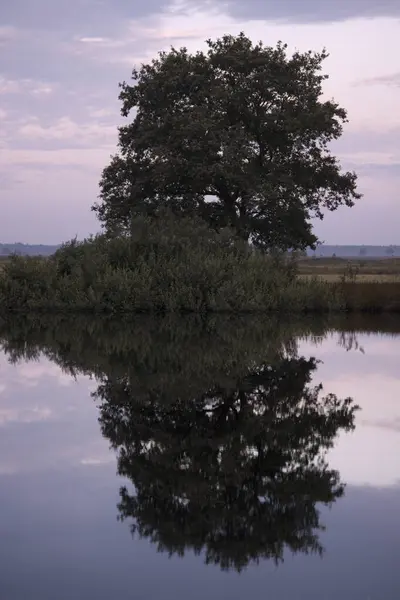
167,264
238,135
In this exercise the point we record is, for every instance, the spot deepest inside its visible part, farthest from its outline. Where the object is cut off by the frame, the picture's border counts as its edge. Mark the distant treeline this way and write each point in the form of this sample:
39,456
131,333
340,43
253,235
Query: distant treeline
323,250
27,249
355,251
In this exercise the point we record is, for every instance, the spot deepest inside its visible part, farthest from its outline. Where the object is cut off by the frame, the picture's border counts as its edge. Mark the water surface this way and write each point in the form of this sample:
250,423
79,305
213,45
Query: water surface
186,459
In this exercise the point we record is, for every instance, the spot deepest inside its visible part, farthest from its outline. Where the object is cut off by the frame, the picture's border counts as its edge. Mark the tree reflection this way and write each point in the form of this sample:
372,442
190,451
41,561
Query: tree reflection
235,471
217,425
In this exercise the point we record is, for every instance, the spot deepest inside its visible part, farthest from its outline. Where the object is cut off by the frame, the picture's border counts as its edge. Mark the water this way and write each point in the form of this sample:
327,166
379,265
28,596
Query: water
183,459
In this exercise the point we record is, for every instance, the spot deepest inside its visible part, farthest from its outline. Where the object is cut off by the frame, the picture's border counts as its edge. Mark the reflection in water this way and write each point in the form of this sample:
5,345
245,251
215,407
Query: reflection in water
215,423
236,471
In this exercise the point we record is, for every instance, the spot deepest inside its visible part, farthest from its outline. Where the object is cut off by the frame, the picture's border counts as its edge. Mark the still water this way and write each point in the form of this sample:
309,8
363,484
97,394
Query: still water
221,459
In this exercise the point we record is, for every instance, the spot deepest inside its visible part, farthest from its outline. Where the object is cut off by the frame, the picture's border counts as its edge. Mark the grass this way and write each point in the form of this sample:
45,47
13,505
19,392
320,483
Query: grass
362,270
370,296
4,260
361,278
365,285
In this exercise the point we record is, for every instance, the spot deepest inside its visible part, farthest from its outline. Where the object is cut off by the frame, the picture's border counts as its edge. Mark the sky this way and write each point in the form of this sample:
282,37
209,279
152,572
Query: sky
61,62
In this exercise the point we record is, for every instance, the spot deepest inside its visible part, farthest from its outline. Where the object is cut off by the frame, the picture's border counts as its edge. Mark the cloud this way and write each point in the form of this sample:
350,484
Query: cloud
67,129
7,33
392,425
83,158
41,89
96,47
9,86
393,79
371,159
31,415
93,40
99,113
306,11
47,418
34,372
15,86
97,462
98,16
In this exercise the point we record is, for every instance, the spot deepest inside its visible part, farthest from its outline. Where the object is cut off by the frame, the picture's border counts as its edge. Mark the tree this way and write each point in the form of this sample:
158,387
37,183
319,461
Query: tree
238,134
237,470
300,253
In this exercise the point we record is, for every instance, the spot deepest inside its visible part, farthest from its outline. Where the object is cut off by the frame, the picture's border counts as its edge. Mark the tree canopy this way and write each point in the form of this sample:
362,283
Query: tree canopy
238,135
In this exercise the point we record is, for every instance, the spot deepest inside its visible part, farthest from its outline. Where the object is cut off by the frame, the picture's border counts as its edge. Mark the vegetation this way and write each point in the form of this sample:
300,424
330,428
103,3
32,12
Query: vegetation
216,423
360,270
239,136
26,249
166,264
172,264
3,261
364,284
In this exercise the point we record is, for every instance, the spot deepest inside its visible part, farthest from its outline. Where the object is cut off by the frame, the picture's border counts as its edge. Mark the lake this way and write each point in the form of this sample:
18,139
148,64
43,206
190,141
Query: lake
222,458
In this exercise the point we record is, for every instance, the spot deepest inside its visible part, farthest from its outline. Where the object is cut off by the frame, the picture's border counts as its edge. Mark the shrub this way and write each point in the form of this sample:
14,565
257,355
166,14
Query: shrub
165,265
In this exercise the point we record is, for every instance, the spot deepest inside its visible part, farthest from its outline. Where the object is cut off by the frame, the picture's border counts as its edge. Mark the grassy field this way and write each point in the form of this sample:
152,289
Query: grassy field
363,270
366,285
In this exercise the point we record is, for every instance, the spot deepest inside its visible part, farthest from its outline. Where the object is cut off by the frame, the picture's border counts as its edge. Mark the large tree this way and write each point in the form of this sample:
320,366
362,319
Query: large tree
239,135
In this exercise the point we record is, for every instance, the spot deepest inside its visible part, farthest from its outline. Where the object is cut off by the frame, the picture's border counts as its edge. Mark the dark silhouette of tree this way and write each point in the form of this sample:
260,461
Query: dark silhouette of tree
215,422
238,135
235,472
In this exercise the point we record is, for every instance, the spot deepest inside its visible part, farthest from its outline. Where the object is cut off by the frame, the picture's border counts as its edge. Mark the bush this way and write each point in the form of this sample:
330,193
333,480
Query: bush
165,265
